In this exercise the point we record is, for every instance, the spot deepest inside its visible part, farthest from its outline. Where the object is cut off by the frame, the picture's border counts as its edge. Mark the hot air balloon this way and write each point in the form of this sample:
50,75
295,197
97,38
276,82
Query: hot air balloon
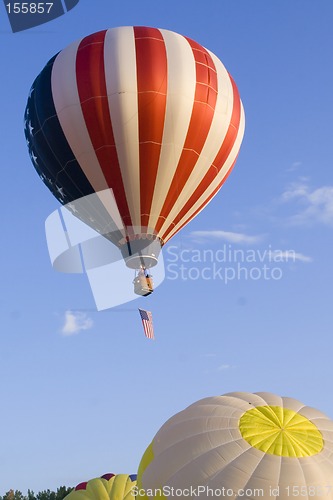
146,114
109,486
243,446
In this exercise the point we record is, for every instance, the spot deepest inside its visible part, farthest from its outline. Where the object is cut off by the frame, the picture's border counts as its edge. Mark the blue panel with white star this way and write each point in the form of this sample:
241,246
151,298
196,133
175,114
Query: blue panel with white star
49,150
54,160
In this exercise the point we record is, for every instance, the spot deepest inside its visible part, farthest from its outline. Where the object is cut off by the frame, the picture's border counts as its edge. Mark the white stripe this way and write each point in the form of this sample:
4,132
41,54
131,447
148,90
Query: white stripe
228,164
215,138
69,112
109,201
67,104
121,84
179,104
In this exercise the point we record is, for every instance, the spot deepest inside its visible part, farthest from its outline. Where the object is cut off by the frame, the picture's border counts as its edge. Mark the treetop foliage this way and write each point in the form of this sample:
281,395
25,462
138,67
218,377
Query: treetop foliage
61,493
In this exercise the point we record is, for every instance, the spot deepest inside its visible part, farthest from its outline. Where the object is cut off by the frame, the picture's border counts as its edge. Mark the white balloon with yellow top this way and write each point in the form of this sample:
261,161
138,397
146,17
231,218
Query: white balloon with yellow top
244,446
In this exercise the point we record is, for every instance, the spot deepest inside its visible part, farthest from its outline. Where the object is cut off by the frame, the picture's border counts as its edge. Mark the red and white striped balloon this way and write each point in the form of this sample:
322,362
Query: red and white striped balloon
152,115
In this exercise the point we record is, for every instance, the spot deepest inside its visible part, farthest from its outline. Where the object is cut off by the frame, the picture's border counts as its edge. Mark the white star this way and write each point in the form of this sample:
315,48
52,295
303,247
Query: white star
33,157
30,128
42,176
49,181
60,190
72,207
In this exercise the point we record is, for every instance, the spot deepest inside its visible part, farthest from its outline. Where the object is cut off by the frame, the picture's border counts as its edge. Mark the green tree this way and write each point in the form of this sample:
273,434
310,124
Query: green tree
13,495
62,492
46,495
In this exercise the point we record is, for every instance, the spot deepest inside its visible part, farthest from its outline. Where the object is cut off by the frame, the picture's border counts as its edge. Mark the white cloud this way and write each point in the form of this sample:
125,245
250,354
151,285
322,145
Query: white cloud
229,236
296,190
315,205
224,367
294,166
288,255
75,322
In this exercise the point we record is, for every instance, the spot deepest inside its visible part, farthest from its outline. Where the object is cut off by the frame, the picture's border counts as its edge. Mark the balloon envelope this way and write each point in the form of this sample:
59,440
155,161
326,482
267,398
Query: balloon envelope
109,486
242,445
146,113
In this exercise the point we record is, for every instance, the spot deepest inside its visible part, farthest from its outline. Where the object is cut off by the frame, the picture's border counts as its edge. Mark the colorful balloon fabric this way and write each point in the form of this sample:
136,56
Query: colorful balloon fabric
109,486
146,112
244,446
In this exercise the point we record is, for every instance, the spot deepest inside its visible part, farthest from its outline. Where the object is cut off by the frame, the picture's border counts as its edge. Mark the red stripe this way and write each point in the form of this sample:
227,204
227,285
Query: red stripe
218,163
200,123
152,88
107,476
165,237
81,486
90,74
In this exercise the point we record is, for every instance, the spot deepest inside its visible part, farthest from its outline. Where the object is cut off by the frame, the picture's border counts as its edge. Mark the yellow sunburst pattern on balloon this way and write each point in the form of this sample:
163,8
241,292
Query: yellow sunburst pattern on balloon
280,431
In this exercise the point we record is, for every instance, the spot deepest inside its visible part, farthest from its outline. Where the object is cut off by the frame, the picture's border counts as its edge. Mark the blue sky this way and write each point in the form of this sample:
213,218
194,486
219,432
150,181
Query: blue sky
83,392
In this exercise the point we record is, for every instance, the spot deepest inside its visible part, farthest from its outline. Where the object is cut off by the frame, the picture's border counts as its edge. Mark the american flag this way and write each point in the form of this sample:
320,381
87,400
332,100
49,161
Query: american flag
147,321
